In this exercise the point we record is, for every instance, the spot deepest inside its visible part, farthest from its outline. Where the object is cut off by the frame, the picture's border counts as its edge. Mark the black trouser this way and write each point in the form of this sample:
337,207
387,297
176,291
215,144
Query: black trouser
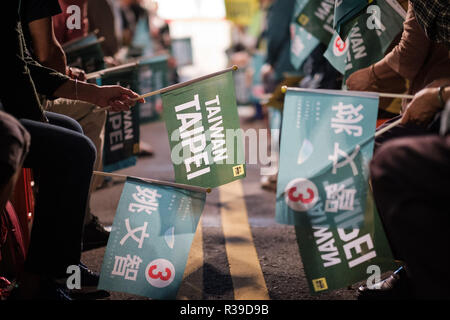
62,158
410,179
401,131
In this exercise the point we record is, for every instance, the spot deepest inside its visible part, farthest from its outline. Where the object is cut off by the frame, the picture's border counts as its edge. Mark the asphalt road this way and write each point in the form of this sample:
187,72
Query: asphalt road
239,251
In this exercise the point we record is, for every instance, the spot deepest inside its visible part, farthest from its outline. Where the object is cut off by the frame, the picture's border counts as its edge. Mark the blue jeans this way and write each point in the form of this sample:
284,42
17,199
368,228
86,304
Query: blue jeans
62,160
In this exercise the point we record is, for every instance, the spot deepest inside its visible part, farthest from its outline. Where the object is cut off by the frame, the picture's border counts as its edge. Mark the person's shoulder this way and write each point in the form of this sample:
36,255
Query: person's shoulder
37,9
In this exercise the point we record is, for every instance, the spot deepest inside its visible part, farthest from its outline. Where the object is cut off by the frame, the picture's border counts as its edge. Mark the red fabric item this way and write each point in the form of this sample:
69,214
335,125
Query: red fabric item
62,32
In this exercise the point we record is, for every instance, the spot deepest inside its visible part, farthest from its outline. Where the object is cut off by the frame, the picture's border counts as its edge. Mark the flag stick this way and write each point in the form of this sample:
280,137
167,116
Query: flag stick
388,127
380,94
186,83
165,183
99,73
177,86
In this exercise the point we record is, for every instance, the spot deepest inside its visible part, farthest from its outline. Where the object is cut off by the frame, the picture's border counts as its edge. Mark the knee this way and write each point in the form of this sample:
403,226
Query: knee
64,121
82,151
389,160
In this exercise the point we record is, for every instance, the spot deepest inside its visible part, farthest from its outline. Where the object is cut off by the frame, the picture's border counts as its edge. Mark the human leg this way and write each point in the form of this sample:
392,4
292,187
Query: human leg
410,183
93,125
64,159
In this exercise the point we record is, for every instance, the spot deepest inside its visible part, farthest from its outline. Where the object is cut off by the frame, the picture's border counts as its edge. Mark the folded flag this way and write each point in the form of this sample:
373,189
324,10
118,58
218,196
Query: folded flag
204,131
326,144
150,239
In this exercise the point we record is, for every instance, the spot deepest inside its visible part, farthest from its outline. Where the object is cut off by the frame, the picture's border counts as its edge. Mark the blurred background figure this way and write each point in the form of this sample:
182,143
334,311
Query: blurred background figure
105,17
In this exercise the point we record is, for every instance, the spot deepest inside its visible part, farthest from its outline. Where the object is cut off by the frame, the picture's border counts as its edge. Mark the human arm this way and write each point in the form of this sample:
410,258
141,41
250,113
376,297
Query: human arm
47,49
18,94
116,97
278,30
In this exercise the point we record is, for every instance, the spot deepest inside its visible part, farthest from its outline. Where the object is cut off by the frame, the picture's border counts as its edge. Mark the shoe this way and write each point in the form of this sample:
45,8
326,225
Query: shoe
52,290
145,149
269,183
89,281
95,235
394,287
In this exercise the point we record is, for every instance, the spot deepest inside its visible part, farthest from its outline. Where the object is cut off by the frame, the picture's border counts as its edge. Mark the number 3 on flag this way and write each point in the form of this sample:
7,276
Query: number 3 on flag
160,273
301,194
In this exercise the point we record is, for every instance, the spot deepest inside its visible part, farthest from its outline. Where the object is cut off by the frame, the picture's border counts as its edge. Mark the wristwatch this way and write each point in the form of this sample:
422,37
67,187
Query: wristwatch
441,95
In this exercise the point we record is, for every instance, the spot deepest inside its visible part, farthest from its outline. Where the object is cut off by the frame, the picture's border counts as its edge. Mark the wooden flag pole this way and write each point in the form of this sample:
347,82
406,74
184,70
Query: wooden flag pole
380,94
99,73
177,86
165,183
186,83
388,127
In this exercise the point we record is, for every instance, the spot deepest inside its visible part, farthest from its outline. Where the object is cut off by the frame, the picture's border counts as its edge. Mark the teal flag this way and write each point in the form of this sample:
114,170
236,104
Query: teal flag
316,17
181,49
368,39
257,87
152,77
204,132
141,44
326,145
150,239
302,42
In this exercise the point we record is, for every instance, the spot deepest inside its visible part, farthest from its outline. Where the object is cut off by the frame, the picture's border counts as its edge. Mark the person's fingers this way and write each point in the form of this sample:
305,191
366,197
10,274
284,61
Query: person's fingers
406,116
82,76
118,105
128,92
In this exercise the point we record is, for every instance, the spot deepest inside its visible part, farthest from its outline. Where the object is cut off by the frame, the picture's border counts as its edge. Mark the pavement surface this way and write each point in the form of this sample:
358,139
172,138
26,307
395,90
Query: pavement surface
237,229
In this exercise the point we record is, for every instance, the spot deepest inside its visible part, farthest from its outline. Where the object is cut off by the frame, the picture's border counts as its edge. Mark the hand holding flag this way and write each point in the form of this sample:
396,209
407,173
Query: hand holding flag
116,97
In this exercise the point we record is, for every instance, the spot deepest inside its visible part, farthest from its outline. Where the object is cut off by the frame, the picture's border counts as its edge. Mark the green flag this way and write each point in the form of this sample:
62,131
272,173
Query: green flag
316,17
322,189
204,132
368,40
122,131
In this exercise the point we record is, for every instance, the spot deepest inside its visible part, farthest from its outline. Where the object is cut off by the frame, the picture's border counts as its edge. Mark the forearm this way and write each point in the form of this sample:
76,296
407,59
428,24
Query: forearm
381,71
77,90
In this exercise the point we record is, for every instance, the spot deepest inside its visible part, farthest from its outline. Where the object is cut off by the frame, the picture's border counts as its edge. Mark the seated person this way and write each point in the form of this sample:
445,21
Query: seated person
40,39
